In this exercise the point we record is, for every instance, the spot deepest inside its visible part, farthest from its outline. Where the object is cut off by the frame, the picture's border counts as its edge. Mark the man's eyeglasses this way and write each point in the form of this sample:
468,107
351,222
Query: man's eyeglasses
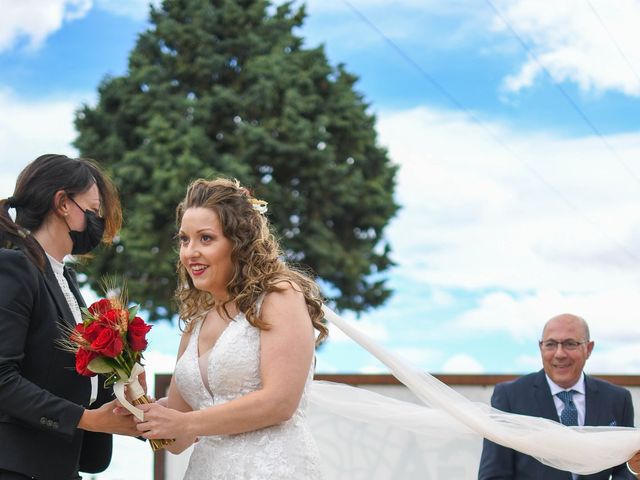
552,345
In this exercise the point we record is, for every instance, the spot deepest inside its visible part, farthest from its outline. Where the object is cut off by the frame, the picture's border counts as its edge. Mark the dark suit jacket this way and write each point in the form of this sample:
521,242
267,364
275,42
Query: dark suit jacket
41,396
605,404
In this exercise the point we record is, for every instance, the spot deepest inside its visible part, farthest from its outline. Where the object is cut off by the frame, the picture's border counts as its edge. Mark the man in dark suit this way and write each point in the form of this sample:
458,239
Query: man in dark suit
560,392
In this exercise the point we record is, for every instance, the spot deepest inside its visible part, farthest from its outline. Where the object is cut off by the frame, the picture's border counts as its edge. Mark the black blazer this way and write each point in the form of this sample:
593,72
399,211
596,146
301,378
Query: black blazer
605,405
41,396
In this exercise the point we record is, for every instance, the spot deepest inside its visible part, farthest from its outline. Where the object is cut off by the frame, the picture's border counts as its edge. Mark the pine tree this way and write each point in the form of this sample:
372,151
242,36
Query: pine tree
225,87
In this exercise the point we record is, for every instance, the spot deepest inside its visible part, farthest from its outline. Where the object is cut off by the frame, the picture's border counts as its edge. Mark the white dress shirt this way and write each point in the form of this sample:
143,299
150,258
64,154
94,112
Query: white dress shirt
58,271
579,400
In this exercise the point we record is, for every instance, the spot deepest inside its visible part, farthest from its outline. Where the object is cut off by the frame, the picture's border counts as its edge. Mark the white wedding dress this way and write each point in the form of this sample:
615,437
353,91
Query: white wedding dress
230,370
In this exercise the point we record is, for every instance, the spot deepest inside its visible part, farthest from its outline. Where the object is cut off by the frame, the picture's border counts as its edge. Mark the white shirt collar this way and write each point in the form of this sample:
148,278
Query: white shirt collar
58,267
555,388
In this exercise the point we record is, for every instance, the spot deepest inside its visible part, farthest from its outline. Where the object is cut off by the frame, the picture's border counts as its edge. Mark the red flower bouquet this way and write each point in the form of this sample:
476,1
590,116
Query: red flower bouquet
110,341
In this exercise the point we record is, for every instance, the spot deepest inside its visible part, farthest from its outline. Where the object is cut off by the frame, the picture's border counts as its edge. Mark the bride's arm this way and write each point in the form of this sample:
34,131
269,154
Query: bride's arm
286,352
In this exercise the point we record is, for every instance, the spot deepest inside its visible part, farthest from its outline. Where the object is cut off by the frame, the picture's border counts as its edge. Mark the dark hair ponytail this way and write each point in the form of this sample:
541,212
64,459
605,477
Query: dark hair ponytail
34,194
12,234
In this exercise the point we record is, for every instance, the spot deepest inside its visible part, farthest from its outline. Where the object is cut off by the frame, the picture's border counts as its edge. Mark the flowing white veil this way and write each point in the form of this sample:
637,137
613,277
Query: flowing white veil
445,422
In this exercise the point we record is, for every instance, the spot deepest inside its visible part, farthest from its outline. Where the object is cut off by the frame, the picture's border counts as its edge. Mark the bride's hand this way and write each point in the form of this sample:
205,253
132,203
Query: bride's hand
160,422
120,410
634,464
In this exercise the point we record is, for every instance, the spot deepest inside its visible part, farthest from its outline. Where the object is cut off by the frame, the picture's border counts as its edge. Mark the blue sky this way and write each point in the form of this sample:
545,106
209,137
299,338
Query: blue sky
519,185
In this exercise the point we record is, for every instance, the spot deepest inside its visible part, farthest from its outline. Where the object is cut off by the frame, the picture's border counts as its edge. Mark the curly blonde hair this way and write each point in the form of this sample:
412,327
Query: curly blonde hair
255,255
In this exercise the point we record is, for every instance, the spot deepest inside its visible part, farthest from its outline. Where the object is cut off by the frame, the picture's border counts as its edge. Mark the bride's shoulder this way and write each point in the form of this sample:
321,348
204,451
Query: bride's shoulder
283,291
288,298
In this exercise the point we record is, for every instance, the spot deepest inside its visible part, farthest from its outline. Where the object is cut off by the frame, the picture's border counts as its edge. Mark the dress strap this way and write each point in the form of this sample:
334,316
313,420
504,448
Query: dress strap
259,302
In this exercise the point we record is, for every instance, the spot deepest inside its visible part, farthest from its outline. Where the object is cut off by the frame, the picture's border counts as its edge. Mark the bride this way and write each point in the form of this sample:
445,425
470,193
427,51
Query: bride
243,378
245,360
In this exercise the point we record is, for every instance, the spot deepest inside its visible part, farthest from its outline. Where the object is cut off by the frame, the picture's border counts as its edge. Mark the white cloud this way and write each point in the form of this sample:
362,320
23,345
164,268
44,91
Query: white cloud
32,21
620,360
462,363
589,43
527,363
373,329
418,355
373,369
609,312
29,128
441,298
481,217
577,43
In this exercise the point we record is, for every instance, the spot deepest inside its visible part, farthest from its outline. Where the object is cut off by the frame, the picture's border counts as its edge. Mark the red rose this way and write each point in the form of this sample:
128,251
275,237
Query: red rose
137,333
111,317
82,333
91,331
108,343
100,307
83,357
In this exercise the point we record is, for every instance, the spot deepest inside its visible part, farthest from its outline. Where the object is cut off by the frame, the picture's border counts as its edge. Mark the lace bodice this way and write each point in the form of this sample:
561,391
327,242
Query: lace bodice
283,451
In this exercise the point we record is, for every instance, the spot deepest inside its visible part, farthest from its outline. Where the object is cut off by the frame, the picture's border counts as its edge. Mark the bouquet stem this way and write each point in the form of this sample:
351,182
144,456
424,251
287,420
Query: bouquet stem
156,444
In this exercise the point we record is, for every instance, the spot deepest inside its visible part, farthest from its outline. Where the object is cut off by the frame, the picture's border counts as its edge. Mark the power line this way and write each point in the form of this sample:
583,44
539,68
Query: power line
566,96
613,40
489,132
443,91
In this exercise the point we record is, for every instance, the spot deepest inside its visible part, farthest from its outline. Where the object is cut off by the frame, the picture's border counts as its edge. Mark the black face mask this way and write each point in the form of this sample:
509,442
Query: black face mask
90,237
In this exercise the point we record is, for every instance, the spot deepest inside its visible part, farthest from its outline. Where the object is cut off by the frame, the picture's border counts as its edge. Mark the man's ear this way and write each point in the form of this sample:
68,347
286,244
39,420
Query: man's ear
590,346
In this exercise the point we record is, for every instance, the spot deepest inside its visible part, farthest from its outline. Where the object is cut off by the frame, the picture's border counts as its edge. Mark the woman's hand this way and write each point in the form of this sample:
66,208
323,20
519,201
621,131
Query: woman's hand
120,410
633,464
105,419
162,422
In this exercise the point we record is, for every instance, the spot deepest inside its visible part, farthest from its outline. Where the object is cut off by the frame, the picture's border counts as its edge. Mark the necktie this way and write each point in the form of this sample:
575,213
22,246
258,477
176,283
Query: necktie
569,415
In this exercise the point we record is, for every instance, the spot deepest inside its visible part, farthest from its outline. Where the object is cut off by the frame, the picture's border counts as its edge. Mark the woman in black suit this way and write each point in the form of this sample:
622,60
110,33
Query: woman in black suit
54,423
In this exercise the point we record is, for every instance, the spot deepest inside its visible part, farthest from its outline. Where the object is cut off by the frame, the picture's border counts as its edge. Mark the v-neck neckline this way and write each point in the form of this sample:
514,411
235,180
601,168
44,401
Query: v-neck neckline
204,375
222,334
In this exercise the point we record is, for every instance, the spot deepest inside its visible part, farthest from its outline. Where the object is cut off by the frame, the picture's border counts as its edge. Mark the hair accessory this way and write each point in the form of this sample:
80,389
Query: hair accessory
11,201
259,206
23,232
